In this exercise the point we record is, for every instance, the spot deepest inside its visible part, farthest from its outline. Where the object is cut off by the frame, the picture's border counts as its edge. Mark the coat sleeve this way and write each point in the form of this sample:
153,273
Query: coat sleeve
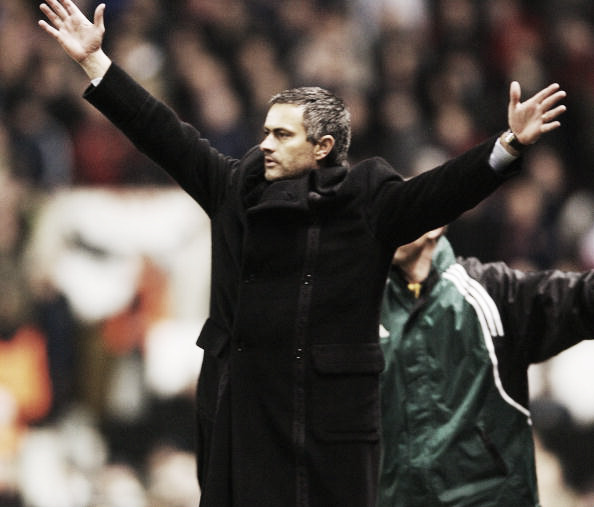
543,312
401,211
157,131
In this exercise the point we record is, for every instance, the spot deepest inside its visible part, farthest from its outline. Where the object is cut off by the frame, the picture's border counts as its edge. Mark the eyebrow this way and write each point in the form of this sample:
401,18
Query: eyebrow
276,130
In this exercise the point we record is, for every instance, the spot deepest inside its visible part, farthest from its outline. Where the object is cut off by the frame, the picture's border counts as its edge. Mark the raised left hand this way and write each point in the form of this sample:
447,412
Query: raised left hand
535,116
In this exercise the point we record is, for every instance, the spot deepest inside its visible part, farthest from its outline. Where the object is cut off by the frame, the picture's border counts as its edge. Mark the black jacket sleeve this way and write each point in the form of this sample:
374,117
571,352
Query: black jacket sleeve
404,210
157,131
543,312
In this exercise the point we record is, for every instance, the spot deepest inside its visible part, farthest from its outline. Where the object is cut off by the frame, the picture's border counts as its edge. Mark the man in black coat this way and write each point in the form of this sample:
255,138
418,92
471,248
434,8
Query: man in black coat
288,395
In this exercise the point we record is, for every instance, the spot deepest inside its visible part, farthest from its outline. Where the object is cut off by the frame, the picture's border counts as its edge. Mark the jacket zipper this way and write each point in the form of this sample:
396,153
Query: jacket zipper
303,307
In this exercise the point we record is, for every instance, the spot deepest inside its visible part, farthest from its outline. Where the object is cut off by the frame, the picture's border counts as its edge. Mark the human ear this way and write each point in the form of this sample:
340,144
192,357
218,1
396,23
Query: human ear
323,147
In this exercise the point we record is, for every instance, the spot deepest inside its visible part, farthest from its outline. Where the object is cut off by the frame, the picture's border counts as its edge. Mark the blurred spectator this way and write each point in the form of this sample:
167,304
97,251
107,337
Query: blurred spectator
522,209
171,478
211,100
137,327
262,73
42,146
404,130
575,219
335,56
514,36
17,41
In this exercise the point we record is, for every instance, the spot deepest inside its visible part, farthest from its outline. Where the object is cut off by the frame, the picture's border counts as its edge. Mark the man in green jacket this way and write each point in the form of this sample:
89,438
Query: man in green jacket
458,337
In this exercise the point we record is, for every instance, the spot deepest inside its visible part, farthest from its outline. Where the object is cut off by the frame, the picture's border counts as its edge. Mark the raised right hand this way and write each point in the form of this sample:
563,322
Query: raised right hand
79,37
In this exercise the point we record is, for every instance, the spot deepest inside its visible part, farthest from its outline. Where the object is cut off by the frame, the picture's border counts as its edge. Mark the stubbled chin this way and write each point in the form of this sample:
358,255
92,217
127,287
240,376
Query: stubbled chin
271,175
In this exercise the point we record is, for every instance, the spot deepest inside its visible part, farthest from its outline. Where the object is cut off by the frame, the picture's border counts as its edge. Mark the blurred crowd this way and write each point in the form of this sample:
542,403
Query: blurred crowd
104,263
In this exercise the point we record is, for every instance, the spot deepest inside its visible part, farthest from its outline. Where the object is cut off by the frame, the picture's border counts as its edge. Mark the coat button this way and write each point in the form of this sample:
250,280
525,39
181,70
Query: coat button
307,279
314,196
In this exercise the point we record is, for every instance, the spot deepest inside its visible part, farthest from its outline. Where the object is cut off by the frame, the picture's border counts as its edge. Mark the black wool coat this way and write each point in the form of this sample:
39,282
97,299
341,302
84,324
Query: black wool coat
288,395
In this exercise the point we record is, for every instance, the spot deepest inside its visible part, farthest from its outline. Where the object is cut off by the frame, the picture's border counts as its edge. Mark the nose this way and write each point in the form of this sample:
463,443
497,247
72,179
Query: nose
267,144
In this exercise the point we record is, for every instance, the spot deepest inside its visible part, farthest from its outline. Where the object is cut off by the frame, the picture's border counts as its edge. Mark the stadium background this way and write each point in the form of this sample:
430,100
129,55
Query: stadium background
104,263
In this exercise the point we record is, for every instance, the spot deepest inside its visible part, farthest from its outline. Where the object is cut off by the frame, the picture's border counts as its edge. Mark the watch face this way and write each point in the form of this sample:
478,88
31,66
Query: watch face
512,140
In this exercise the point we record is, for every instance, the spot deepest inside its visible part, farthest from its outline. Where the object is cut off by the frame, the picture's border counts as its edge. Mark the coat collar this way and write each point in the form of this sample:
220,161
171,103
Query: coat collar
444,255
291,194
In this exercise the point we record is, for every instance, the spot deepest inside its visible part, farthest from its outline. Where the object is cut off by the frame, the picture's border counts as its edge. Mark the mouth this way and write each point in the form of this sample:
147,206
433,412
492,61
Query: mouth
269,162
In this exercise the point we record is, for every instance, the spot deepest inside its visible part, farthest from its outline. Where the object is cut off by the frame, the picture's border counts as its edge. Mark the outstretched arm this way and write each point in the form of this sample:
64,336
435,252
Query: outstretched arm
154,128
535,116
80,38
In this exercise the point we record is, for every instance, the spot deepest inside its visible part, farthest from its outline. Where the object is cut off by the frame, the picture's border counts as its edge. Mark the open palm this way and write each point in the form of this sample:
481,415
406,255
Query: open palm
75,33
536,115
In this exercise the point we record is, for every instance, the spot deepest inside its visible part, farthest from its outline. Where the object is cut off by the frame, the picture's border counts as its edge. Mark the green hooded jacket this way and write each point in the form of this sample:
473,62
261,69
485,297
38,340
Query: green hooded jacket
455,416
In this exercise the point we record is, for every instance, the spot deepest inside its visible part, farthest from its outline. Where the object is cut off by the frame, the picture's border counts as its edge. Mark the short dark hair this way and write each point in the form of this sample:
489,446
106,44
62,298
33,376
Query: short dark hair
323,114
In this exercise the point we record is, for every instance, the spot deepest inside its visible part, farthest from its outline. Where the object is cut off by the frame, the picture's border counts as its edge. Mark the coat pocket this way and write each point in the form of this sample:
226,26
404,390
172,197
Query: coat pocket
213,374
345,391
213,339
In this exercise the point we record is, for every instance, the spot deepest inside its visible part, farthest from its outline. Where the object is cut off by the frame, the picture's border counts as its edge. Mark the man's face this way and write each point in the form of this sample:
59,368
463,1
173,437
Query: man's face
287,152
